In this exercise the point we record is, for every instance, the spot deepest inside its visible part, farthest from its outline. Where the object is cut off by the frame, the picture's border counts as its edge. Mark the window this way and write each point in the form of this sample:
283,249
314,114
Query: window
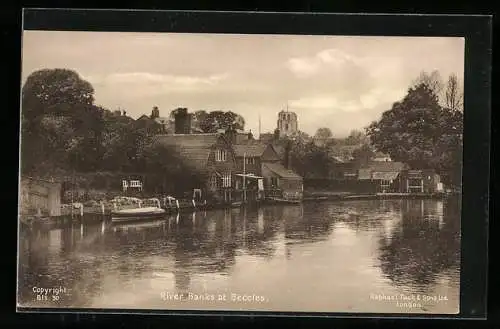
213,182
274,181
286,126
250,160
226,180
220,156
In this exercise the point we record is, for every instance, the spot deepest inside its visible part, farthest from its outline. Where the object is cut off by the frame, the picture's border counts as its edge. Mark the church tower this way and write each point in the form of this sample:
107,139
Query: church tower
287,123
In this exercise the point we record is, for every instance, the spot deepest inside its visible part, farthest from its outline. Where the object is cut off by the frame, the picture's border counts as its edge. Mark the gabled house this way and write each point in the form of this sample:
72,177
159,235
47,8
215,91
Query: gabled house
250,155
281,181
264,172
421,181
386,174
209,156
343,170
154,123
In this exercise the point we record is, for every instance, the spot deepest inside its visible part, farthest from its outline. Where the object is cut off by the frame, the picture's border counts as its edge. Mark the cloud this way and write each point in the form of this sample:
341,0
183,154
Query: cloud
332,57
318,102
151,83
146,77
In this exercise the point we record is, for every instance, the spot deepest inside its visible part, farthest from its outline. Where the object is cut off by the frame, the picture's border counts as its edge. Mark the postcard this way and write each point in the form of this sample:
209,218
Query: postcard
229,172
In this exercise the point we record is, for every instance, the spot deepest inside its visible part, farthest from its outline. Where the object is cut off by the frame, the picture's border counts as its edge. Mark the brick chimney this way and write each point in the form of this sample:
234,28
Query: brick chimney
231,135
182,121
276,134
155,113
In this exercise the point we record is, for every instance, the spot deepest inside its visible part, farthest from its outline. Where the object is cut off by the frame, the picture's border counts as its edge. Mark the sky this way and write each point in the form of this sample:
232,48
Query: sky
339,82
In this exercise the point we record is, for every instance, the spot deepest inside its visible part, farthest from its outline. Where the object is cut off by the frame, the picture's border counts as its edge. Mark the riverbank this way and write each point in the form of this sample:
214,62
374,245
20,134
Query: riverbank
344,196
102,212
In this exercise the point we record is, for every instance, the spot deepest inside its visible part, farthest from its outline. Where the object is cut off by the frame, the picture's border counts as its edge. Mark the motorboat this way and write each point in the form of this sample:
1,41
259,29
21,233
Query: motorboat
139,211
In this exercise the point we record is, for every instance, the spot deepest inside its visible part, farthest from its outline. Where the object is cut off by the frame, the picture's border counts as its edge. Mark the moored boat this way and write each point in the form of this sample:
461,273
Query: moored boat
139,212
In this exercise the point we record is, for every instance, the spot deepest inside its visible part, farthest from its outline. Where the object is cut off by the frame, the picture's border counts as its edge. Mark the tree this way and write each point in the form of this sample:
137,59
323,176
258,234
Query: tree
418,131
310,160
55,91
453,94
197,118
323,133
57,107
363,155
432,80
216,120
356,137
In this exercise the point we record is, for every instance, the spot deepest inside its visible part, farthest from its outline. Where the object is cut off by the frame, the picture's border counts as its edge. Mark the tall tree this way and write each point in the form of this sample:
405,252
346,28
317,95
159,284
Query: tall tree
432,80
420,132
453,94
57,104
55,91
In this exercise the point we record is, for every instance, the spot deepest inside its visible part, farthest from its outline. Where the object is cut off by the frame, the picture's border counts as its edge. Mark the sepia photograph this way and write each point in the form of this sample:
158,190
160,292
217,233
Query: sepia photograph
230,172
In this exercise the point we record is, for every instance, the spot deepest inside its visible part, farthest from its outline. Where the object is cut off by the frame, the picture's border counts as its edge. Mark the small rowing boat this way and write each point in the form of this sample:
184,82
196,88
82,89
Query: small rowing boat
139,212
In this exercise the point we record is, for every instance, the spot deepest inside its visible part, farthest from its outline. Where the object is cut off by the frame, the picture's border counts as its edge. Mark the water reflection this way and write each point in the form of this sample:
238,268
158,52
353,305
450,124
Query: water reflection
425,244
389,245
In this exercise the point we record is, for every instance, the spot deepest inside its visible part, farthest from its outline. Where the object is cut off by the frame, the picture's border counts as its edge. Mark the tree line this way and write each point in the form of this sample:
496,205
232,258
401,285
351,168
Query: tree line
424,130
63,129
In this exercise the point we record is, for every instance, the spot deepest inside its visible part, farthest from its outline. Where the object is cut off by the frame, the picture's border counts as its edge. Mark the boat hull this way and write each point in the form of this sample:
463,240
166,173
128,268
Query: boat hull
137,214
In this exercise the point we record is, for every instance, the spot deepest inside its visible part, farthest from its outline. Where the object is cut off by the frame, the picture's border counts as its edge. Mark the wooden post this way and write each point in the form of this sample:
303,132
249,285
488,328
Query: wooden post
194,204
244,179
81,209
102,208
177,204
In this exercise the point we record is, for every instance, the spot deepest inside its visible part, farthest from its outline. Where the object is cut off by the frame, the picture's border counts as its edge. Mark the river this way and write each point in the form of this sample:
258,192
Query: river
394,256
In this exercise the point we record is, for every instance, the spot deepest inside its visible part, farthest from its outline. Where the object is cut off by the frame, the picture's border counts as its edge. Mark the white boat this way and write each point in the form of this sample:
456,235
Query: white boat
139,212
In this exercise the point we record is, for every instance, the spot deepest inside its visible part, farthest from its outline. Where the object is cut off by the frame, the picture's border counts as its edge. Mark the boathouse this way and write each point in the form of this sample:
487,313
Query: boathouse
39,196
280,181
386,175
250,156
421,181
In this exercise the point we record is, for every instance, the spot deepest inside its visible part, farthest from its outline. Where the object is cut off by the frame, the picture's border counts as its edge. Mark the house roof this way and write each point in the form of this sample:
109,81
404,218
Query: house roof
364,173
381,170
384,166
388,175
250,149
142,117
162,120
281,171
193,148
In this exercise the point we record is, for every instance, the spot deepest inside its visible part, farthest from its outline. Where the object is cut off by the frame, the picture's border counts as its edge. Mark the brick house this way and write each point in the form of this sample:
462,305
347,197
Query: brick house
209,156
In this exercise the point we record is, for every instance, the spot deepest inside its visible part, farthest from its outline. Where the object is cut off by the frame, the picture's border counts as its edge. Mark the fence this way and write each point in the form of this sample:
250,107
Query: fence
40,196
